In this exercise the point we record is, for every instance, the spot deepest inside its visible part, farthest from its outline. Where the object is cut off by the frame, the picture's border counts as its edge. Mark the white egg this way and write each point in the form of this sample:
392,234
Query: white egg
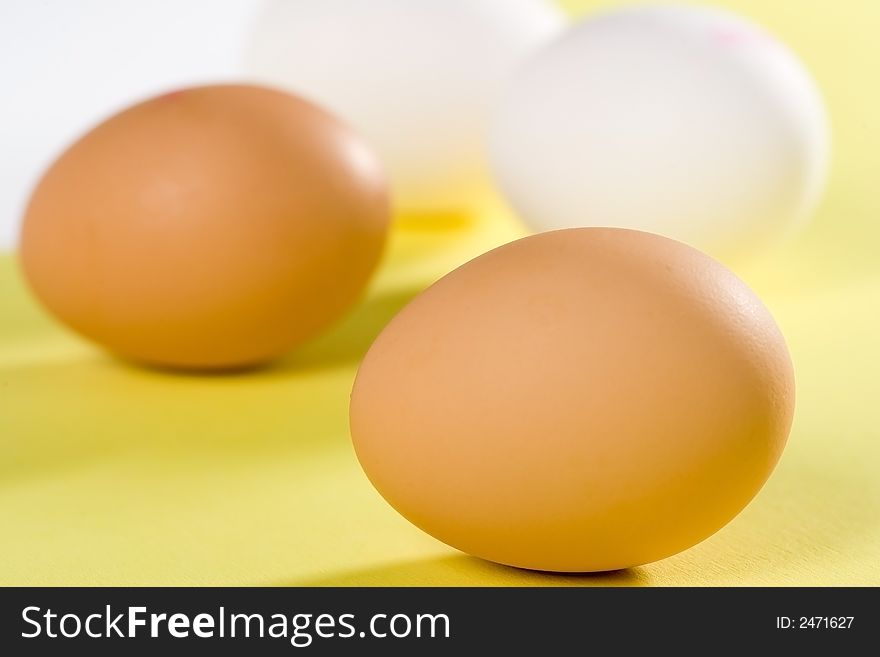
418,78
682,121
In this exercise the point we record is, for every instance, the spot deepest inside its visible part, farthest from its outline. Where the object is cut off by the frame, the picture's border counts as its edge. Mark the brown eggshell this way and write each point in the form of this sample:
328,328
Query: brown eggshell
211,227
581,400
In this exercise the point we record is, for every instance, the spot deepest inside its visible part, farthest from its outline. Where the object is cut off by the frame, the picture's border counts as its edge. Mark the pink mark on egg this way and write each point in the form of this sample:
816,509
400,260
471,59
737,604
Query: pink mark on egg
732,37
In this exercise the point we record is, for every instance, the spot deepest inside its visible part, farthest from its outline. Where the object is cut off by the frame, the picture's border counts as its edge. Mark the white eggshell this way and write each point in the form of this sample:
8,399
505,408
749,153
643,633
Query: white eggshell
417,78
682,121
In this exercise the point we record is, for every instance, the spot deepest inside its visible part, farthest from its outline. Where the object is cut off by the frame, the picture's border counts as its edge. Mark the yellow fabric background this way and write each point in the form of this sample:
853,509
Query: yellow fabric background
112,474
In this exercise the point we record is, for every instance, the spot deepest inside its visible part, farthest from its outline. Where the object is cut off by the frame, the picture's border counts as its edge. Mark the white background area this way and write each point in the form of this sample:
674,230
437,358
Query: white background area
65,65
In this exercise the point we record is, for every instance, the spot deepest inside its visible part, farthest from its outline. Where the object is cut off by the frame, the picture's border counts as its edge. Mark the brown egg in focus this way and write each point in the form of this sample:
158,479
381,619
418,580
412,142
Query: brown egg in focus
580,400
212,227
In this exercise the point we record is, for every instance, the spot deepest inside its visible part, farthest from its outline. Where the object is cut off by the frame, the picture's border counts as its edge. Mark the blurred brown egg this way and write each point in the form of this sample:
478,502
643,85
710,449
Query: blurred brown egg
212,227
